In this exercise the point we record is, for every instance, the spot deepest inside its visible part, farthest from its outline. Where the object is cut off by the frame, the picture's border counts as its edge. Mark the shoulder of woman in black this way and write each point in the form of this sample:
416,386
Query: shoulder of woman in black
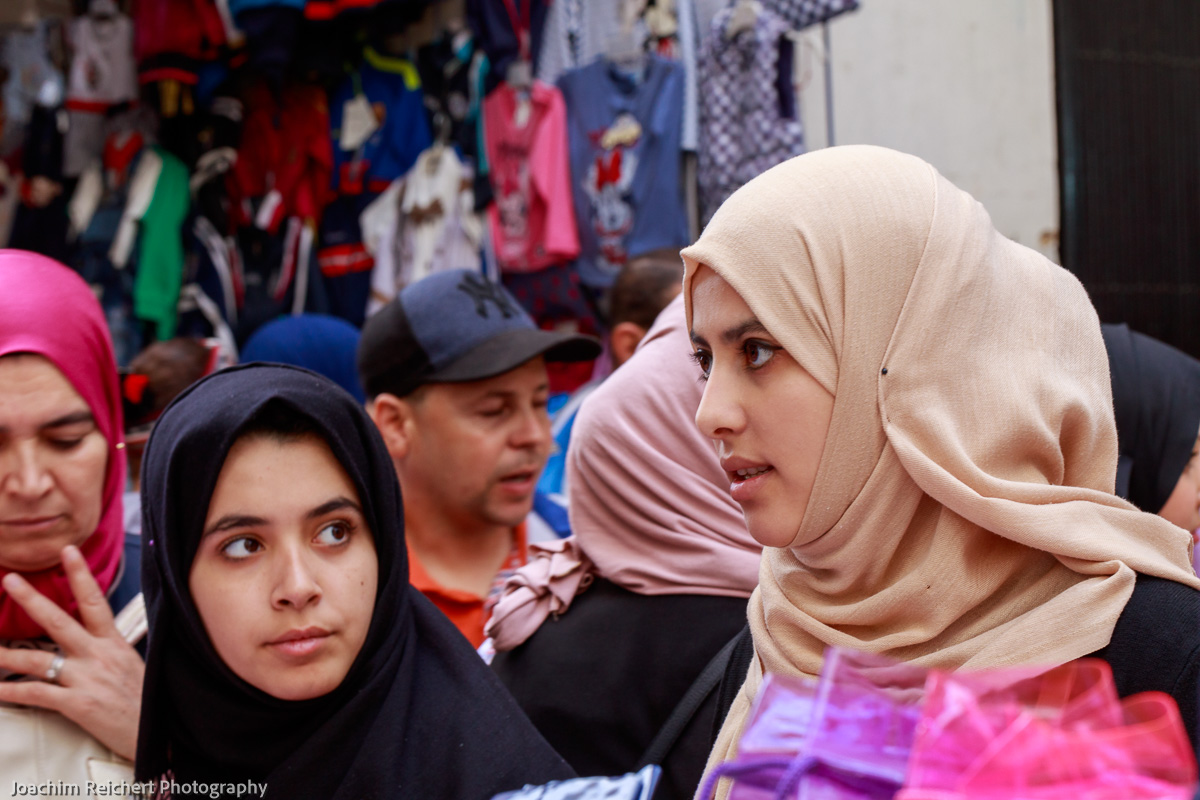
1156,645
600,681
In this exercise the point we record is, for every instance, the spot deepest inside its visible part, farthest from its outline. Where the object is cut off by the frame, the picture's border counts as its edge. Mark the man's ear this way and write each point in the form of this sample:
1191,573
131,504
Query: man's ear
624,340
393,416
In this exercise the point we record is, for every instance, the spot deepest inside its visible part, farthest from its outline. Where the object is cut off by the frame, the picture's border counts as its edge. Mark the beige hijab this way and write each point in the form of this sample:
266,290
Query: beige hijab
963,513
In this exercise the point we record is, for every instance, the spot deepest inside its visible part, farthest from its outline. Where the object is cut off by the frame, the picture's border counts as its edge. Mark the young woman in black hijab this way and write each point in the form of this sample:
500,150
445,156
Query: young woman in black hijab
268,496
1156,397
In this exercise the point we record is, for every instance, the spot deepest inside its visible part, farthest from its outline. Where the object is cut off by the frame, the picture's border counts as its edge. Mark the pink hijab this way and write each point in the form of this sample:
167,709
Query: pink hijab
46,308
650,504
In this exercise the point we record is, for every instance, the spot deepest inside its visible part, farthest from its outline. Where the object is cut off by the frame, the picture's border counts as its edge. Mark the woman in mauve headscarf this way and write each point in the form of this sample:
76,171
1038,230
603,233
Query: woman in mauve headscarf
63,550
602,634
915,416
287,646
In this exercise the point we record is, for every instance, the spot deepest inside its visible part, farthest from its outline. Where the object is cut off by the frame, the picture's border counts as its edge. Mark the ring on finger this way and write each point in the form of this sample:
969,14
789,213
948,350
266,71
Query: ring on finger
55,669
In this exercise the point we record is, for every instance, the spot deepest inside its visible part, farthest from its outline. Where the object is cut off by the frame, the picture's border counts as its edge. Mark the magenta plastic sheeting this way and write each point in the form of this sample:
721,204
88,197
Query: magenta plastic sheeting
845,737
873,729
1064,735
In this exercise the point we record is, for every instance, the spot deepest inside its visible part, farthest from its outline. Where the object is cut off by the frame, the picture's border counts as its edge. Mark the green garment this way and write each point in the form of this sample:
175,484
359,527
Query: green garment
160,248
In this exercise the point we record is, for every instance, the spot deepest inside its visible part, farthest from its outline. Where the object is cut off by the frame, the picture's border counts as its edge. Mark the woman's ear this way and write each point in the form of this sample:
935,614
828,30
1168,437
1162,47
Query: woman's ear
624,339
393,417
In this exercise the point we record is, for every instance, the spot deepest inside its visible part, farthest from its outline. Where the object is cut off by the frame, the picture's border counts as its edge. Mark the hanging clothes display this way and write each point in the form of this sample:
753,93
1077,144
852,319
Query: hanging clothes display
748,116
102,75
533,219
800,14
291,156
285,161
424,223
624,132
577,33
508,30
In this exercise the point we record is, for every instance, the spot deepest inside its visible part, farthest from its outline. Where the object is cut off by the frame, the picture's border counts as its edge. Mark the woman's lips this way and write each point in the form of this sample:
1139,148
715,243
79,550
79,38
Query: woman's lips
747,480
300,644
31,524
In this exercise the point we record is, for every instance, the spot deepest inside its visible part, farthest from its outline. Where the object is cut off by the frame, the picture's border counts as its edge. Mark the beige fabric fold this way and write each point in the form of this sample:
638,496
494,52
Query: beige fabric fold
963,513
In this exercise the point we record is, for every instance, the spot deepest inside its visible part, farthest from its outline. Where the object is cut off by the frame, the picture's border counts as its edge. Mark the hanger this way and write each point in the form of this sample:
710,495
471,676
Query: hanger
441,123
744,17
102,9
626,45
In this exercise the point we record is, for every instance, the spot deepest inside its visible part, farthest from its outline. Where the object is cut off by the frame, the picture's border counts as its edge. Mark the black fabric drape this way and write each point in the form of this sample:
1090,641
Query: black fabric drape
418,714
600,680
1156,397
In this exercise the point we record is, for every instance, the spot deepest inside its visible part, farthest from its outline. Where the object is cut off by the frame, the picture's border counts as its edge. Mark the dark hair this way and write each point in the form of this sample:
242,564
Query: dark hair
280,422
170,367
640,292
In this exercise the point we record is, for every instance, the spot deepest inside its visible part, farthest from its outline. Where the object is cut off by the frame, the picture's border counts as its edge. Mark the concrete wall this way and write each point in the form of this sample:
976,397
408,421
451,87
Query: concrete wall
967,85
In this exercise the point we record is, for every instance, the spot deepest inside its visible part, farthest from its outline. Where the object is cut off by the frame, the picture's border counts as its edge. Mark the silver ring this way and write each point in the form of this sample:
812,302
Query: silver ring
55,668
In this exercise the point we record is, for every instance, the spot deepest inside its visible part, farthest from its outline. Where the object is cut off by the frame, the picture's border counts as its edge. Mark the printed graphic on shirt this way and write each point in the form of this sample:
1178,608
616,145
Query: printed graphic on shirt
512,202
607,186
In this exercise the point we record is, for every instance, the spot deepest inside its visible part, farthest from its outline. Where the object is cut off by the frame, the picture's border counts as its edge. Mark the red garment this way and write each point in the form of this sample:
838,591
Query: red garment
285,157
466,610
171,35
533,217
46,308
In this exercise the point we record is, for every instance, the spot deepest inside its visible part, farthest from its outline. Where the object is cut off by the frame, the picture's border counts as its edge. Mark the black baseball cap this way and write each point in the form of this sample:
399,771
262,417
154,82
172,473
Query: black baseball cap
452,327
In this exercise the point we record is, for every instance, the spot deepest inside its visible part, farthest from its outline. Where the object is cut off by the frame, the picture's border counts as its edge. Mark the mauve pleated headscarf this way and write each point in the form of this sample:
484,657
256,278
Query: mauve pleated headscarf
650,504
962,514
47,309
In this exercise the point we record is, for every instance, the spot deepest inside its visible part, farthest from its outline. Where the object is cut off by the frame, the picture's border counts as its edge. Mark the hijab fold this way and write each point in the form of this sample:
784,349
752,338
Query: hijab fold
650,505
48,310
962,513
418,714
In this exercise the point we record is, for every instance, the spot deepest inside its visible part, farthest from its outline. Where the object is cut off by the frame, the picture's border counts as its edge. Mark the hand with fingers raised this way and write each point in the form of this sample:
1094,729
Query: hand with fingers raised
95,680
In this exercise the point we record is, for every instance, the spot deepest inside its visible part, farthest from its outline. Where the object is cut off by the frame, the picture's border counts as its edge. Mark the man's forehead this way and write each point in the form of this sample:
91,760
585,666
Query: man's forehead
528,377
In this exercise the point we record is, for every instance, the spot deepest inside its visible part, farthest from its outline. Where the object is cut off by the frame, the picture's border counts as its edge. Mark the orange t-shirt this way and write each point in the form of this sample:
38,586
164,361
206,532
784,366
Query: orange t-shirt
468,611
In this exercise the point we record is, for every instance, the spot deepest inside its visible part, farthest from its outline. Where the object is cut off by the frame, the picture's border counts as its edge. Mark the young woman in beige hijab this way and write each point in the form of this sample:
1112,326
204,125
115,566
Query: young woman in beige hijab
915,415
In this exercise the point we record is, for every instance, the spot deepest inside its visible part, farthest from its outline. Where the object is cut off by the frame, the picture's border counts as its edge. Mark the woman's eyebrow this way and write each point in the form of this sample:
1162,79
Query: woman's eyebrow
74,418
230,521
329,506
752,325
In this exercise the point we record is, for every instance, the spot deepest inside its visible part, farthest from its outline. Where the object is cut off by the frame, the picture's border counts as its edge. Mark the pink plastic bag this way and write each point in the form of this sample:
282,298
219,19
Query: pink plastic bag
1062,735
844,737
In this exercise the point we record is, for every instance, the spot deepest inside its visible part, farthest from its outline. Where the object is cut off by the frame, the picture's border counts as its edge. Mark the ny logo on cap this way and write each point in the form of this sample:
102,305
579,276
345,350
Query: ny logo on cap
482,291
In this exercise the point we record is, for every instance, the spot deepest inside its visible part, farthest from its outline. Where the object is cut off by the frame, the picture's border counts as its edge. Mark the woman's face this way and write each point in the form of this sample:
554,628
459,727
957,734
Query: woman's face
53,459
285,574
1183,506
766,414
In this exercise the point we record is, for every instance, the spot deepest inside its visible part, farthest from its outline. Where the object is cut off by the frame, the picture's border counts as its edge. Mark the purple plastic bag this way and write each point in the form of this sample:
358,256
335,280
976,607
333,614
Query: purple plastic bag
847,736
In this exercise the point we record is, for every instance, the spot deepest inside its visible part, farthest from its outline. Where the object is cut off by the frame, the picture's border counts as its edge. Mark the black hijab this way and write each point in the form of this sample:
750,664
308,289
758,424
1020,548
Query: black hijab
418,715
1156,397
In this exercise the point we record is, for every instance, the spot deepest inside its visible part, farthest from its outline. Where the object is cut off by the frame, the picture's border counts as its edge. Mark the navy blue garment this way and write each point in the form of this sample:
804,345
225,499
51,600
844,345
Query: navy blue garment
628,196
324,344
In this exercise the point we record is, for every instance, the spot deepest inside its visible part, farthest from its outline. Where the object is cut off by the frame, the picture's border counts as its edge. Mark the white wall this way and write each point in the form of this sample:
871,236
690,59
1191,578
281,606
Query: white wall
968,85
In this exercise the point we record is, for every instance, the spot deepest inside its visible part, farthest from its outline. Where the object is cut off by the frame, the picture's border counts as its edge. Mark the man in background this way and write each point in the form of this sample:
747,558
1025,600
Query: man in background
455,377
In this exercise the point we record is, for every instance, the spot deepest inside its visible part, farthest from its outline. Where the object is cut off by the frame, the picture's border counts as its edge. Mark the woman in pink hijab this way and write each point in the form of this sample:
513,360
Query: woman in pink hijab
601,635
64,564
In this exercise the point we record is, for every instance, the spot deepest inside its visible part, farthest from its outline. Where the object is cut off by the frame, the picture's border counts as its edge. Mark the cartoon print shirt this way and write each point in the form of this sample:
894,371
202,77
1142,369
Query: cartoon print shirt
625,141
532,220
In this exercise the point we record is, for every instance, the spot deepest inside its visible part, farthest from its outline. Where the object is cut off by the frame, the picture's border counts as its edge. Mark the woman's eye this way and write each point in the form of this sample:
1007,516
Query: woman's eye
241,547
66,444
703,360
334,533
757,353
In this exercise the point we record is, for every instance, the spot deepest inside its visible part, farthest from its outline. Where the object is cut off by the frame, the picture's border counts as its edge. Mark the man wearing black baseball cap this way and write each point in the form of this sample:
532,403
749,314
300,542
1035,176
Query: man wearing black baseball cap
455,376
